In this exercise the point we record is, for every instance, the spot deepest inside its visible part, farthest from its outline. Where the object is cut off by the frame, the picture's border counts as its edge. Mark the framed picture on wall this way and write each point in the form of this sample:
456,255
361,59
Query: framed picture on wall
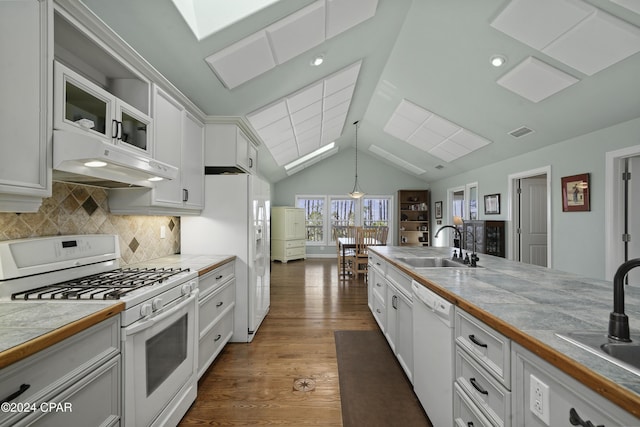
438,210
492,204
575,193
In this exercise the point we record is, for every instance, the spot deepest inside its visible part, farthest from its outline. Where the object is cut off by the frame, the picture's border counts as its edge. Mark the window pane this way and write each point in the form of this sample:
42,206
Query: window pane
342,213
375,212
314,218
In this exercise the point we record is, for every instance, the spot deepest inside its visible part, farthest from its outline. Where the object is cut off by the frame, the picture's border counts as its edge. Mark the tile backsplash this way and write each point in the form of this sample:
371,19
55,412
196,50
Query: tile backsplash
80,209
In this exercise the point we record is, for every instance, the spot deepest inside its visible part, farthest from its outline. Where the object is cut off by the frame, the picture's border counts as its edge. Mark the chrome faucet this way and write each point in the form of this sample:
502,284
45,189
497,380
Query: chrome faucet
618,321
457,233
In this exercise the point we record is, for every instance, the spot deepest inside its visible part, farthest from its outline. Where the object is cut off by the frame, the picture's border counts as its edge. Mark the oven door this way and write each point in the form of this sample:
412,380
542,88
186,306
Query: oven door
160,369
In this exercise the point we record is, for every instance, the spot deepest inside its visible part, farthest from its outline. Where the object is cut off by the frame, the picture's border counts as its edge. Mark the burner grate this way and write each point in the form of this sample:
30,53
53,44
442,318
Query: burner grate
107,286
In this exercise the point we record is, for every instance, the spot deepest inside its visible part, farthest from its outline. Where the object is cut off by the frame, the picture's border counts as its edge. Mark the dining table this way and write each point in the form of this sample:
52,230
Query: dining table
350,243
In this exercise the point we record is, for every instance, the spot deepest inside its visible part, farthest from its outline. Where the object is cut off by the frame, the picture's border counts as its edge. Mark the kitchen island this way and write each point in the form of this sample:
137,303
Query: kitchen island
529,305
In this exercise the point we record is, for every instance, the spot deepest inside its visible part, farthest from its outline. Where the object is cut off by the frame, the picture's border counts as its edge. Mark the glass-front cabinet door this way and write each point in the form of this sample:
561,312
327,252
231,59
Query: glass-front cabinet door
82,106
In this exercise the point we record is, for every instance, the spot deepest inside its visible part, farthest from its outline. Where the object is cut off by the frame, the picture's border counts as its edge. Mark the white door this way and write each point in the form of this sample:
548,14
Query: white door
533,220
633,221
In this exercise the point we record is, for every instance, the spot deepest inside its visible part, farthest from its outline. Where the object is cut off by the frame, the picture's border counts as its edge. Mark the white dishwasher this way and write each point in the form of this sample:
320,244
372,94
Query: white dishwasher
433,354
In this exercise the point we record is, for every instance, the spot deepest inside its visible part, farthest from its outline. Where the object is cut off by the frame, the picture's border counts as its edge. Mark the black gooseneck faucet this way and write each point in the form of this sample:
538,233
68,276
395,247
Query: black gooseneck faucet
618,321
454,229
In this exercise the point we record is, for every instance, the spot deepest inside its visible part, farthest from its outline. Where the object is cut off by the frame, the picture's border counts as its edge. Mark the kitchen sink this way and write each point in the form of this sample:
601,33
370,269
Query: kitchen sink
424,262
623,354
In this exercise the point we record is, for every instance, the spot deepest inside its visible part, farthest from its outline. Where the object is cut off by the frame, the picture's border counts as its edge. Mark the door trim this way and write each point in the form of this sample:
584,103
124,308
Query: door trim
612,216
511,209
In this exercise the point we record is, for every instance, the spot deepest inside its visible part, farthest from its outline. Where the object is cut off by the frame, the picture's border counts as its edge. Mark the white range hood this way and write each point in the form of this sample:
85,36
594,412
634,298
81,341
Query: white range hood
122,167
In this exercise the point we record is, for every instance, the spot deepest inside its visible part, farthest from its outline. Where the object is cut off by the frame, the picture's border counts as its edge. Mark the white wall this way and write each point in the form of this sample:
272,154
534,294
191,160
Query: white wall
578,237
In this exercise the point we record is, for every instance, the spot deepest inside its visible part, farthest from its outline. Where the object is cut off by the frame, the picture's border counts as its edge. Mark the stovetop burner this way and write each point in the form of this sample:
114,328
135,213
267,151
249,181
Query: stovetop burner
111,285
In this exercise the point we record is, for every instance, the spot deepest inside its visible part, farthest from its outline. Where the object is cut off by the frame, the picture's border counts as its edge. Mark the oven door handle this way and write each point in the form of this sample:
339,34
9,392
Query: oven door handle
166,312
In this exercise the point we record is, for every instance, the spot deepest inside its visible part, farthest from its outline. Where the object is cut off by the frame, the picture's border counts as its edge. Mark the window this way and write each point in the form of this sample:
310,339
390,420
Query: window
314,214
342,211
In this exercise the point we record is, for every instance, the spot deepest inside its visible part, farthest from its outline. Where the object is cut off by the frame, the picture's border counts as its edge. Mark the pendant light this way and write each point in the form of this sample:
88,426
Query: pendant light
356,193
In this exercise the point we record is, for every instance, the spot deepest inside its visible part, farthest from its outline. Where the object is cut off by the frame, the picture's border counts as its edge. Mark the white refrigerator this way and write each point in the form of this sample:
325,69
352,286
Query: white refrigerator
236,221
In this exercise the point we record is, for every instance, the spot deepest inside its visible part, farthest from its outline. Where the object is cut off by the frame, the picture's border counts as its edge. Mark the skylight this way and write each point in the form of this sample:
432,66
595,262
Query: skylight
206,17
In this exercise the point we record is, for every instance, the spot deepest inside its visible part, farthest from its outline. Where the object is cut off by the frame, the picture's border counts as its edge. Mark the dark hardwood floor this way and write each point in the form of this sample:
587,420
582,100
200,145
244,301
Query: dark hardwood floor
288,375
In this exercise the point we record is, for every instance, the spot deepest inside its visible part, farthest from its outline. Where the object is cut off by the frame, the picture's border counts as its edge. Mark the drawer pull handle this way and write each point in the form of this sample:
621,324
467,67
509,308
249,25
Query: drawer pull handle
22,389
378,284
476,341
217,338
575,420
378,310
219,277
477,386
219,304
470,424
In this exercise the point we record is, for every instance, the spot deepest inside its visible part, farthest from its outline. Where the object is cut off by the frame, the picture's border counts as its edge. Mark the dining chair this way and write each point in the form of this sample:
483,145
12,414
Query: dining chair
345,256
365,238
381,235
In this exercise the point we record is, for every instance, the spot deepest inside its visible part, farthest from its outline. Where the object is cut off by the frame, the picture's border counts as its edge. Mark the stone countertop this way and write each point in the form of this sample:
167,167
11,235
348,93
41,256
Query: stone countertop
202,263
530,304
27,327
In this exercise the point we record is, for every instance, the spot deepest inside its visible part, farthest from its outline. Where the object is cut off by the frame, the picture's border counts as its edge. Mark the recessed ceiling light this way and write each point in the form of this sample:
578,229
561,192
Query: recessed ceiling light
317,60
498,60
95,164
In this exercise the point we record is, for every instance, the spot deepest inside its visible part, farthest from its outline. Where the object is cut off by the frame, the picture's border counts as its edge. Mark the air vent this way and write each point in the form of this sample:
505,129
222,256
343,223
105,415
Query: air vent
439,167
520,132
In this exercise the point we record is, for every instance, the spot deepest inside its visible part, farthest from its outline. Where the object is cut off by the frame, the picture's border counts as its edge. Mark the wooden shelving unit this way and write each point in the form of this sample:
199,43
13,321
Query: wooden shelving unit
413,218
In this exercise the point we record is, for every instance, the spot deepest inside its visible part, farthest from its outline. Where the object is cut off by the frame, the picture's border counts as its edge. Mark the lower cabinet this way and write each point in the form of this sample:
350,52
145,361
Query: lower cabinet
74,382
392,307
215,313
482,372
569,402
399,331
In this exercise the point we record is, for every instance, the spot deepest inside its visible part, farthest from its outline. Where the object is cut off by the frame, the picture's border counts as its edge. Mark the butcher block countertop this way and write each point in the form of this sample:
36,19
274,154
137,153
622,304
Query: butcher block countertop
529,305
27,327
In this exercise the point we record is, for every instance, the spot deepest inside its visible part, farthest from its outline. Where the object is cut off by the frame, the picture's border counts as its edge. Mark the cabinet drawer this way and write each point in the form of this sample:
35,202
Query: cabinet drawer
378,263
294,252
213,341
51,370
465,412
379,311
214,305
400,280
215,278
488,347
294,244
92,401
487,393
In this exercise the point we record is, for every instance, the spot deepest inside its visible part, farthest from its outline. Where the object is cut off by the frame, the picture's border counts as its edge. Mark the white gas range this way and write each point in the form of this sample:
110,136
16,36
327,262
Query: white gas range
159,322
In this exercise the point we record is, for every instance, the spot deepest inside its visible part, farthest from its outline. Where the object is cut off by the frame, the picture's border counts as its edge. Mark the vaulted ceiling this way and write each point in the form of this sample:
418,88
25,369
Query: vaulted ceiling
415,73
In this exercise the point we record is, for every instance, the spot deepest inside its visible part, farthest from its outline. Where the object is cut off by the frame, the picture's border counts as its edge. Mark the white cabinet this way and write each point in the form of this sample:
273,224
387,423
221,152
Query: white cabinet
399,318
82,106
229,149
482,371
288,232
568,399
215,315
390,301
179,140
377,289
25,116
82,372
192,167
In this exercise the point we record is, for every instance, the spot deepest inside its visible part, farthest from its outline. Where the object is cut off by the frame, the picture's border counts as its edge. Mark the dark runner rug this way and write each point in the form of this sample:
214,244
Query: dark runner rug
374,390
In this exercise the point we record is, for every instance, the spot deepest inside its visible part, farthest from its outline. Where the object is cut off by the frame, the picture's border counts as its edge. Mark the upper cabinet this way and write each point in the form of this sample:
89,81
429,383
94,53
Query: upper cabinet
83,106
25,119
229,149
179,138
